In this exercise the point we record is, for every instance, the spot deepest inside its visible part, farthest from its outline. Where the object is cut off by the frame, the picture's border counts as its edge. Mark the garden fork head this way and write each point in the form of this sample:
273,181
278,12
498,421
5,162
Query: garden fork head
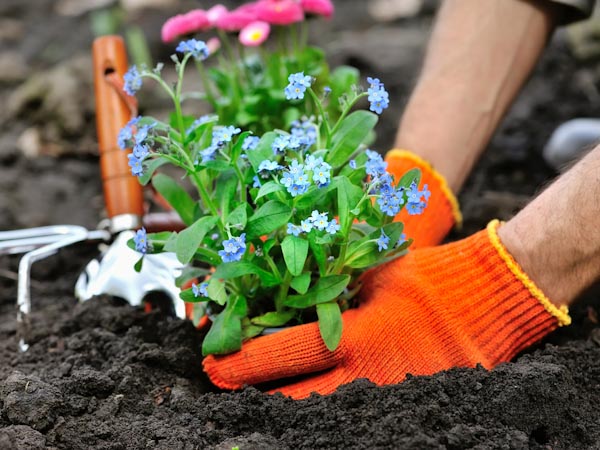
37,244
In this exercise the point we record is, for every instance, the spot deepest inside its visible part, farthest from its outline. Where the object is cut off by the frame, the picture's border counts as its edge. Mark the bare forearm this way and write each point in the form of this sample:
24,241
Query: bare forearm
556,238
479,56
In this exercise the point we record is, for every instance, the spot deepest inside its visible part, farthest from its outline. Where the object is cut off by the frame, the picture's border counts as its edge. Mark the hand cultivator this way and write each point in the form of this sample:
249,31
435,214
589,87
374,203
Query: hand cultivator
113,271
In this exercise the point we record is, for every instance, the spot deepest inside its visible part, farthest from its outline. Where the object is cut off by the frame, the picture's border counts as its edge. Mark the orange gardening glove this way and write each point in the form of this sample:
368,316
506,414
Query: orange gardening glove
442,211
455,305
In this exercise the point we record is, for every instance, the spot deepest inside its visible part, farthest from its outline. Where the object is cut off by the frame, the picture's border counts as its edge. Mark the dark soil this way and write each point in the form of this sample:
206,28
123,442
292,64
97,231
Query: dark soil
103,375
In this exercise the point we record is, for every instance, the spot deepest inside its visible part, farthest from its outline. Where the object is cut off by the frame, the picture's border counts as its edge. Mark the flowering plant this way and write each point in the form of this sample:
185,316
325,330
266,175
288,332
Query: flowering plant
256,47
289,218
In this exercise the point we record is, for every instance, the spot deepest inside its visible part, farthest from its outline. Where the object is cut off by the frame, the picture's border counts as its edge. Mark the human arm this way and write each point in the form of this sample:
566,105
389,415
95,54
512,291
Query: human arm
479,56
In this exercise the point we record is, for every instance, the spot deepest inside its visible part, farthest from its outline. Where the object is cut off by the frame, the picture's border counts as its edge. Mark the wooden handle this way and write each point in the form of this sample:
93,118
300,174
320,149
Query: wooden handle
122,191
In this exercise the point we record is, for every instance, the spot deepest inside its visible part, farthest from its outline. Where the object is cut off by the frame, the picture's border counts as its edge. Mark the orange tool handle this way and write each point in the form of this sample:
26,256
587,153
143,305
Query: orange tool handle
122,191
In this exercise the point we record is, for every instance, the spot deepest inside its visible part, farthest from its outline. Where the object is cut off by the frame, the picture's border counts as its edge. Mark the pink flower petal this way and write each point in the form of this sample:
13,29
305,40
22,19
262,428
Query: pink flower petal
181,24
279,12
318,7
255,33
235,20
213,44
215,12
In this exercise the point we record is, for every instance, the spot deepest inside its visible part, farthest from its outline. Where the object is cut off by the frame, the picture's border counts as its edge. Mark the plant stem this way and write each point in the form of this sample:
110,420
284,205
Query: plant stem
160,81
177,100
243,194
242,52
211,255
229,51
283,291
319,106
210,97
347,110
272,266
304,34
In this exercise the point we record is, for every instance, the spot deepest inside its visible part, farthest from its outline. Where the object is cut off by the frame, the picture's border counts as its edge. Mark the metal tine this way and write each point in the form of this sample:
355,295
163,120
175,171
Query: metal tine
69,235
21,241
18,246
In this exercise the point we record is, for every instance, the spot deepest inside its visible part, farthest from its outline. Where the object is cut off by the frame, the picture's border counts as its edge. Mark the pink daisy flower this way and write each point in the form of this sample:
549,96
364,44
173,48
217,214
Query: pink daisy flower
255,33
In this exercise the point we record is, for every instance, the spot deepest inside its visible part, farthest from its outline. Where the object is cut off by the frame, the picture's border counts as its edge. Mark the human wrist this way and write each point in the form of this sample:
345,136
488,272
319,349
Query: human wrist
530,250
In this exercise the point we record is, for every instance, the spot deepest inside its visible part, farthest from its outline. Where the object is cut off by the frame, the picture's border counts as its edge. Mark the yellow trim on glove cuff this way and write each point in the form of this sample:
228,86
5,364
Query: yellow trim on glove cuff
562,313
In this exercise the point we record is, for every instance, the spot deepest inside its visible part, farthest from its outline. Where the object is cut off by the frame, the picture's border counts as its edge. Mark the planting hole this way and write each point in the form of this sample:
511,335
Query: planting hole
161,301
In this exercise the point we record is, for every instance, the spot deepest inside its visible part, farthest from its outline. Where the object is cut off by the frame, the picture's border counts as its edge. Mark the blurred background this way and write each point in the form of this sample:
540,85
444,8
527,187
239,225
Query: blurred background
49,171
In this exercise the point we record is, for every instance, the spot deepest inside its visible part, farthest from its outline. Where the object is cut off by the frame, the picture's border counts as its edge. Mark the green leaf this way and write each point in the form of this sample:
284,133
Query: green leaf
262,151
187,295
365,252
225,334
313,196
236,150
250,330
171,243
217,165
239,216
138,265
269,187
176,196
199,134
353,130
174,121
189,239
150,168
268,245
227,184
273,319
210,257
412,176
330,324
348,197
300,283
318,253
216,290
295,251
342,79
269,217
240,268
326,289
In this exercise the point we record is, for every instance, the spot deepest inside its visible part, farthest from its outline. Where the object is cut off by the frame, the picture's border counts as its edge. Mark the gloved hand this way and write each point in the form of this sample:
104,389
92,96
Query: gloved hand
442,211
460,304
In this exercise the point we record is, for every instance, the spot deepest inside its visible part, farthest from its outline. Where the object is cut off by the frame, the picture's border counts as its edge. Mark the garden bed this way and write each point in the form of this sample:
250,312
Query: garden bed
104,375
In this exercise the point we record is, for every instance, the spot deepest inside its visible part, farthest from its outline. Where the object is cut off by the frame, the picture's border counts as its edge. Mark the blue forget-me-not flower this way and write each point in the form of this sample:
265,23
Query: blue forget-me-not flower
200,290
141,241
133,81
125,137
233,249
298,85
197,48
383,241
